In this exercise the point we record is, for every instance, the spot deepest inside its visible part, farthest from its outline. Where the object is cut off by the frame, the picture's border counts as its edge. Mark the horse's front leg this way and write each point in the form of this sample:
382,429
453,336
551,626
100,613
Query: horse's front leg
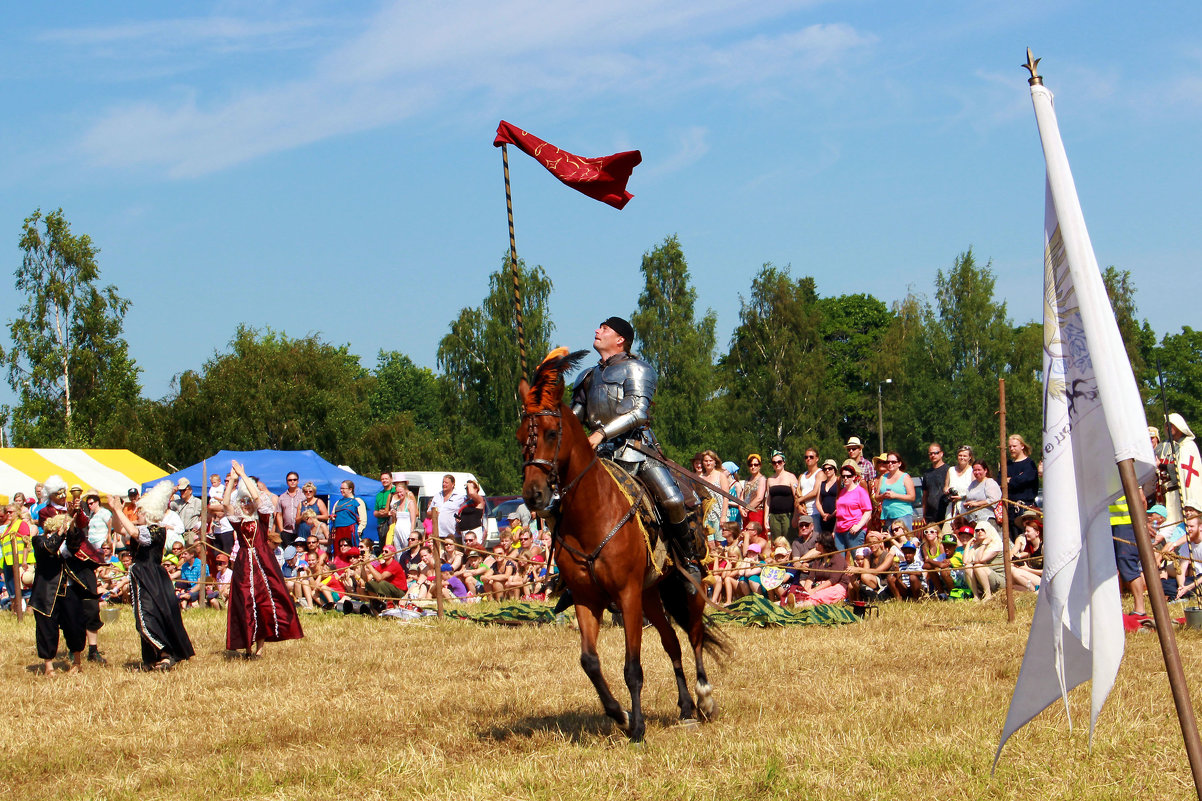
653,608
632,623
588,619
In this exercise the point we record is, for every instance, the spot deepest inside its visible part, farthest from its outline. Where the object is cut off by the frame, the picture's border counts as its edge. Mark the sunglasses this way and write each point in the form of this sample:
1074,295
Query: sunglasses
892,461
828,468
778,461
753,464
848,475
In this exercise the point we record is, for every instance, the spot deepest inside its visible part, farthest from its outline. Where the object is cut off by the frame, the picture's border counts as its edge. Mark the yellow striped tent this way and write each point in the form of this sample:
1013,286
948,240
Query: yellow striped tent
109,470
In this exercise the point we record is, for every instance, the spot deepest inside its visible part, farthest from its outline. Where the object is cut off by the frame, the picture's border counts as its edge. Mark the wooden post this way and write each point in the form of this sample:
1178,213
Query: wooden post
18,568
1164,625
202,599
1005,521
438,575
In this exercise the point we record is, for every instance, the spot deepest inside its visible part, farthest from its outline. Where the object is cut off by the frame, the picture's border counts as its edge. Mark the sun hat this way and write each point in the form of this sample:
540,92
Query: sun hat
1159,509
830,463
1175,420
755,547
852,464
731,468
854,442
781,551
1153,431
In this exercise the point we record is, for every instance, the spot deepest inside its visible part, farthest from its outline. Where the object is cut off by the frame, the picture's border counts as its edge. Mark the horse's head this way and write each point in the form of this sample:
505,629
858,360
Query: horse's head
545,431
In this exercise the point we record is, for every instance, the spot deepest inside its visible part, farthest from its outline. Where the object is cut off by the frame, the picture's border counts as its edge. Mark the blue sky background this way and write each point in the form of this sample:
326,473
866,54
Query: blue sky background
327,167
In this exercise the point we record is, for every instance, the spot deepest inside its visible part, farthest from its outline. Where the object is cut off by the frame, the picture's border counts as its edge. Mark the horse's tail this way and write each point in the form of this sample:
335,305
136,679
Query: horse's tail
681,606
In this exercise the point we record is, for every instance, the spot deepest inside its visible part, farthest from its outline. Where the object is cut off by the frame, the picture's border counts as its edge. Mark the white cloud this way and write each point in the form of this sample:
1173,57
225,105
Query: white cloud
691,145
416,58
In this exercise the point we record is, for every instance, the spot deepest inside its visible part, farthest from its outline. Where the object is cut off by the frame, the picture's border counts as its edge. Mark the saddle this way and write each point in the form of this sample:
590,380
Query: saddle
659,554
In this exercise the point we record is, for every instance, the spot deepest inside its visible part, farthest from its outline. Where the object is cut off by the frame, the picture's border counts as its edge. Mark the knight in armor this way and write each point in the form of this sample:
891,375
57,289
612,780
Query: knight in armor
613,401
1180,459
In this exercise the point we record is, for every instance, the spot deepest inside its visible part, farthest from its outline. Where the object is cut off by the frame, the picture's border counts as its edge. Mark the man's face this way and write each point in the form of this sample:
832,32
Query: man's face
606,339
386,480
470,539
1193,529
186,492
854,451
935,454
1015,448
448,484
293,481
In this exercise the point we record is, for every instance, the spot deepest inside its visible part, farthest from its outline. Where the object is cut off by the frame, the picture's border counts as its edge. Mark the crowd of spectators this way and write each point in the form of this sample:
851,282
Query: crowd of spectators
333,553
855,529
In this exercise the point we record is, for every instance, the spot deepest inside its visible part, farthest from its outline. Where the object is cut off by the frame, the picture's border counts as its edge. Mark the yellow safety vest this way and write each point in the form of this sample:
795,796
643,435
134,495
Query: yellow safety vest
6,544
1120,515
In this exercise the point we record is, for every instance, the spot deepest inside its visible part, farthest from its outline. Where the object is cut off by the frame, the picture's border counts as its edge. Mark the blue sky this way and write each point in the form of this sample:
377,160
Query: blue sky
327,167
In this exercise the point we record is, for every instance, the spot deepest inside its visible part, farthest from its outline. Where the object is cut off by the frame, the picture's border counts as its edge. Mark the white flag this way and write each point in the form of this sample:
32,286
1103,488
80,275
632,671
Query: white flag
1092,418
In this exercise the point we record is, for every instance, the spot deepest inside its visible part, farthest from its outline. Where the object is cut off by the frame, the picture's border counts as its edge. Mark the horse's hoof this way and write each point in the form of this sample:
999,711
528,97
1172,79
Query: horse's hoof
624,723
689,723
705,702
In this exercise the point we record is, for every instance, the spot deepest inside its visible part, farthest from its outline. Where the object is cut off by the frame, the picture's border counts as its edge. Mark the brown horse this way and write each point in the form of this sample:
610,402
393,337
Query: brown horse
601,550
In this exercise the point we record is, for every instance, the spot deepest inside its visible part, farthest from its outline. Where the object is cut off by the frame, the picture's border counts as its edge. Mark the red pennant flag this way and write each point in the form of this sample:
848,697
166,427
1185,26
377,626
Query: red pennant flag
603,178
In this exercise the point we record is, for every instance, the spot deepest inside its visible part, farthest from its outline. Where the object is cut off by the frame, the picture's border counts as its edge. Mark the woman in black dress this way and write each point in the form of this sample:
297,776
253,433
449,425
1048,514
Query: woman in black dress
152,595
828,494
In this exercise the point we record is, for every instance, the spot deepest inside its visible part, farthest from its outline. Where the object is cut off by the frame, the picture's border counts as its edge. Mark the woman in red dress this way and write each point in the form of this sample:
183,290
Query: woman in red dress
260,607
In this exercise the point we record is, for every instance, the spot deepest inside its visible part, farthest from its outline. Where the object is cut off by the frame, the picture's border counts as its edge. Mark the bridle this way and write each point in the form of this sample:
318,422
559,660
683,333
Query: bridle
551,466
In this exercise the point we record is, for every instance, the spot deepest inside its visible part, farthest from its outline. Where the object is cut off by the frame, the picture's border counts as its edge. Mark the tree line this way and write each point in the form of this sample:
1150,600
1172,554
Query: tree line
800,370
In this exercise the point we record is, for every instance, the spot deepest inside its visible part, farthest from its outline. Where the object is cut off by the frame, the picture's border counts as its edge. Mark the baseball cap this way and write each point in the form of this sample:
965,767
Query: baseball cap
289,553
964,530
909,546
949,539
183,484
1159,509
755,547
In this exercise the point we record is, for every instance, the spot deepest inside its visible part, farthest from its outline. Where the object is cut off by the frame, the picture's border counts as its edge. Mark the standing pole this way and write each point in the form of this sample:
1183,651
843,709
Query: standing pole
438,576
18,568
880,421
202,598
513,269
1164,626
1005,521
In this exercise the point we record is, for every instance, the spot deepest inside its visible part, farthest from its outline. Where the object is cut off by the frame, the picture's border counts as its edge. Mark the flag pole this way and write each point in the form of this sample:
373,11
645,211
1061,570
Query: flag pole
513,269
1005,521
1164,625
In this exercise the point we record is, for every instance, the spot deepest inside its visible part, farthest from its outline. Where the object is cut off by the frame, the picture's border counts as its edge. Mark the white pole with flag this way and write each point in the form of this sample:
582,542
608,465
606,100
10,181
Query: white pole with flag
1093,420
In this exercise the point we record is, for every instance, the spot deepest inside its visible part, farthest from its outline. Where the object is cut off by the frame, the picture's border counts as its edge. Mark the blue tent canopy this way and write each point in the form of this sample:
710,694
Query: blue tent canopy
272,468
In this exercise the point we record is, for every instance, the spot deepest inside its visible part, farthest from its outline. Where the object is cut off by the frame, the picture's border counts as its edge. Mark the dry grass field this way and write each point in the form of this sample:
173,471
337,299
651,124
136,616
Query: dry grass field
906,705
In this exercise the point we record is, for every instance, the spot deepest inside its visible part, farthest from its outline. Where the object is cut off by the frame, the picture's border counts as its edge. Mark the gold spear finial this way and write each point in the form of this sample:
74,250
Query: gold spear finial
1031,65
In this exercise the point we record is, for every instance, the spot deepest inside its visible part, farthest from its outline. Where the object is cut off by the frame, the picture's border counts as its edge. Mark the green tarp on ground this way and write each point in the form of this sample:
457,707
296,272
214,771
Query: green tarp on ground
756,610
751,610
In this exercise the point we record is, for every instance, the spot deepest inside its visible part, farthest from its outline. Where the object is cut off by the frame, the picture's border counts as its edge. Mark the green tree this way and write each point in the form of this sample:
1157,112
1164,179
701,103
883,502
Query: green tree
270,392
1138,337
774,375
481,367
853,331
68,363
965,343
402,386
680,348
1180,357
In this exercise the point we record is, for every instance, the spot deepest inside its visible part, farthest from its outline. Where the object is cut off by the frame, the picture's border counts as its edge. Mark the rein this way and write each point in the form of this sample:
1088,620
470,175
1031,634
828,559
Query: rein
552,467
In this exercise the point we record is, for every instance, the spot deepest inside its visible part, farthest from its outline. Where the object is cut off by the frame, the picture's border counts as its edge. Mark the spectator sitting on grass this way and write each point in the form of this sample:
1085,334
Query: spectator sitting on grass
964,535
939,575
1027,569
452,586
386,579
983,564
749,575
868,574
829,580
910,581
472,572
501,571
725,581
224,576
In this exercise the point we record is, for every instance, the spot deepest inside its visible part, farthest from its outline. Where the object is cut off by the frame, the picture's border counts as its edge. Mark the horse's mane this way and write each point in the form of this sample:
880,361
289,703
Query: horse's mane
546,390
